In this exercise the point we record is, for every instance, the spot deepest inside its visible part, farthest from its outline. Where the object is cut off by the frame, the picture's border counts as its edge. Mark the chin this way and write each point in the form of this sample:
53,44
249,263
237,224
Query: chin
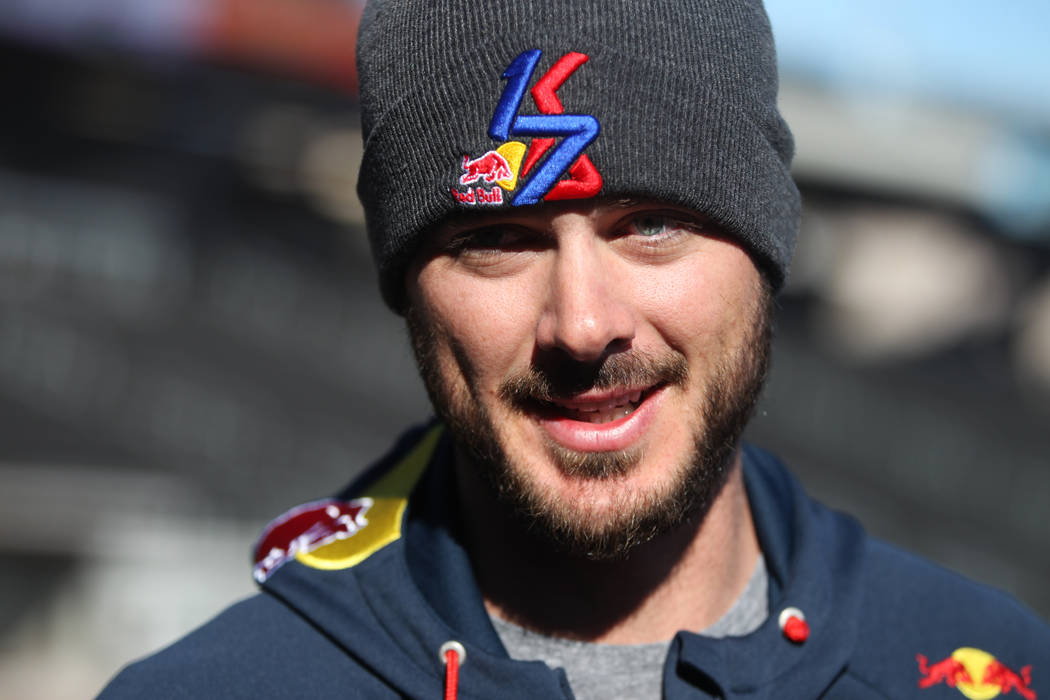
601,505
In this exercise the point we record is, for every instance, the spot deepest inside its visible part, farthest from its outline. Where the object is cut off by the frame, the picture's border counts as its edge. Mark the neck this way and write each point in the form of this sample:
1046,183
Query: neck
684,579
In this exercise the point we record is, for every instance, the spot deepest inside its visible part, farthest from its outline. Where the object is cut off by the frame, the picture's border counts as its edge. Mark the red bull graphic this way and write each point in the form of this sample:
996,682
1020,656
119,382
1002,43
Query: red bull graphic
498,167
976,674
306,528
489,167
997,674
548,160
949,671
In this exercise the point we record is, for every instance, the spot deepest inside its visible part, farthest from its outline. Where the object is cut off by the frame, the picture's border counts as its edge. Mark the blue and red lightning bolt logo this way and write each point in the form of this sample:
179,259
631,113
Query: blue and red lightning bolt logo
540,177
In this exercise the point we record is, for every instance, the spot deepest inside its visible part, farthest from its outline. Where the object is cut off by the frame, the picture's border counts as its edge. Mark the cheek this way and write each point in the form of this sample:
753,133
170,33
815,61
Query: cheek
701,302
487,329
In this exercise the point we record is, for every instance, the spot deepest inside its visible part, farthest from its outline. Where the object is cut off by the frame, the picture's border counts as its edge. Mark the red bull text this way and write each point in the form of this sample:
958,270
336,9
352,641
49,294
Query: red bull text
478,195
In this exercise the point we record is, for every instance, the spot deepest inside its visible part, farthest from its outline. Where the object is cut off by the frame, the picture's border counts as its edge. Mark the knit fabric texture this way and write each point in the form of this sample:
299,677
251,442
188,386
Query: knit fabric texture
683,94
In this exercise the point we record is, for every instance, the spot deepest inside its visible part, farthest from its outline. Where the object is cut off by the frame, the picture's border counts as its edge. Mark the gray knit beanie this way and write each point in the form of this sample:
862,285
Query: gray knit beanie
479,104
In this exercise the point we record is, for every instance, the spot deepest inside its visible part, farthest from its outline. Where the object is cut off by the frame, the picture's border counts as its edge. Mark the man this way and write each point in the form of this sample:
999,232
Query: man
584,211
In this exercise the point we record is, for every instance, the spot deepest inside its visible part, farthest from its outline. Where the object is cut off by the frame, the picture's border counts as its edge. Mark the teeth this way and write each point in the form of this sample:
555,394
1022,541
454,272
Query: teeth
607,415
614,409
632,398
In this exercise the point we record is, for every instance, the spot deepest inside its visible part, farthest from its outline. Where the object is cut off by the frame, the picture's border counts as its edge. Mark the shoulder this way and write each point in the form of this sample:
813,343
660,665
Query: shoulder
257,648
905,591
273,644
246,651
927,602
910,624
921,626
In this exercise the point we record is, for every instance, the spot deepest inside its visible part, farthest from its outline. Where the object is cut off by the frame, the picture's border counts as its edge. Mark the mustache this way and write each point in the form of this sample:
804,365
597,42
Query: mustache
561,378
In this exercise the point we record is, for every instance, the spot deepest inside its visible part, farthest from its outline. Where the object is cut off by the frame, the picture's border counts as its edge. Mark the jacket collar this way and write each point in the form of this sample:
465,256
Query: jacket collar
395,609
812,554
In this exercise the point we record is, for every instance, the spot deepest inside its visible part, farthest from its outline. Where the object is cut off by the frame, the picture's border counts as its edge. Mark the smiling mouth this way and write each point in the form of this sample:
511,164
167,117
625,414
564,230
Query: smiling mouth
596,411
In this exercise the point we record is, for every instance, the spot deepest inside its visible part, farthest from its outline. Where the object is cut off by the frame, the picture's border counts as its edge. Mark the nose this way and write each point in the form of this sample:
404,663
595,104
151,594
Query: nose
587,314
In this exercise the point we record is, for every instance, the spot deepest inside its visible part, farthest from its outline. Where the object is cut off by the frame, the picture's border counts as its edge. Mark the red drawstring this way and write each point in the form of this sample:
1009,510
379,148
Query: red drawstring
453,655
451,674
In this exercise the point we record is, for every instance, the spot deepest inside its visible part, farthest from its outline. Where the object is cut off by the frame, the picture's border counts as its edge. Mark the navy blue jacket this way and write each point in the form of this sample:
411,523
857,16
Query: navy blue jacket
360,592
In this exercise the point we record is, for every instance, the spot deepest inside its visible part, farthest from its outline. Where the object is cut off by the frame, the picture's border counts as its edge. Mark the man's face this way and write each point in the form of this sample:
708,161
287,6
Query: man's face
595,362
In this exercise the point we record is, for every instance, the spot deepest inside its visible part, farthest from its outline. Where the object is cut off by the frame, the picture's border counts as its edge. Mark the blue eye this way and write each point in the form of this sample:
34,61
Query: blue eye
649,226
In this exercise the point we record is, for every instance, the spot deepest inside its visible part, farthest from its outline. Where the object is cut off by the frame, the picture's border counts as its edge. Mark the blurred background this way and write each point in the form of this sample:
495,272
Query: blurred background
191,339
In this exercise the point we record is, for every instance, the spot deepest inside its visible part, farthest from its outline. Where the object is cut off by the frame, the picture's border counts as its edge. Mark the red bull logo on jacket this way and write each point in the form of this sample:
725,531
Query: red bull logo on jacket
306,528
335,533
555,149
976,674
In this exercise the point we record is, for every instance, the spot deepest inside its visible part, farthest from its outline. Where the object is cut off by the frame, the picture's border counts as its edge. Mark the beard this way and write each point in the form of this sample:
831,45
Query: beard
729,393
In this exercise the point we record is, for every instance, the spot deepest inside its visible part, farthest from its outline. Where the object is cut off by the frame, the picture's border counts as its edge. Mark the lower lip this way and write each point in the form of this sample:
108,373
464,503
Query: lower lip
619,434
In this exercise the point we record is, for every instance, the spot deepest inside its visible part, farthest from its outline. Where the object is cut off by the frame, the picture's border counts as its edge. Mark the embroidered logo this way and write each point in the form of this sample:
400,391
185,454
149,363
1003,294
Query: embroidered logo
976,674
490,167
541,172
306,528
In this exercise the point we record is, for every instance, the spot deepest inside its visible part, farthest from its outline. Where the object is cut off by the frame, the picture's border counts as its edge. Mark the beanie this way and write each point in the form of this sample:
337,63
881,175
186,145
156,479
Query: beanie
483,104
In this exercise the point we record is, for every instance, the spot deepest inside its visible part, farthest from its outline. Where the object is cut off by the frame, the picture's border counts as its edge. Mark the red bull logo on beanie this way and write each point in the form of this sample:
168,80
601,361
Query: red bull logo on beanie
976,674
542,164
490,167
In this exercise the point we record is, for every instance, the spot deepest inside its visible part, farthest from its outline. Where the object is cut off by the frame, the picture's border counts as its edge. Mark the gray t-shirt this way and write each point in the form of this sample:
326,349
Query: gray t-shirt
629,671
